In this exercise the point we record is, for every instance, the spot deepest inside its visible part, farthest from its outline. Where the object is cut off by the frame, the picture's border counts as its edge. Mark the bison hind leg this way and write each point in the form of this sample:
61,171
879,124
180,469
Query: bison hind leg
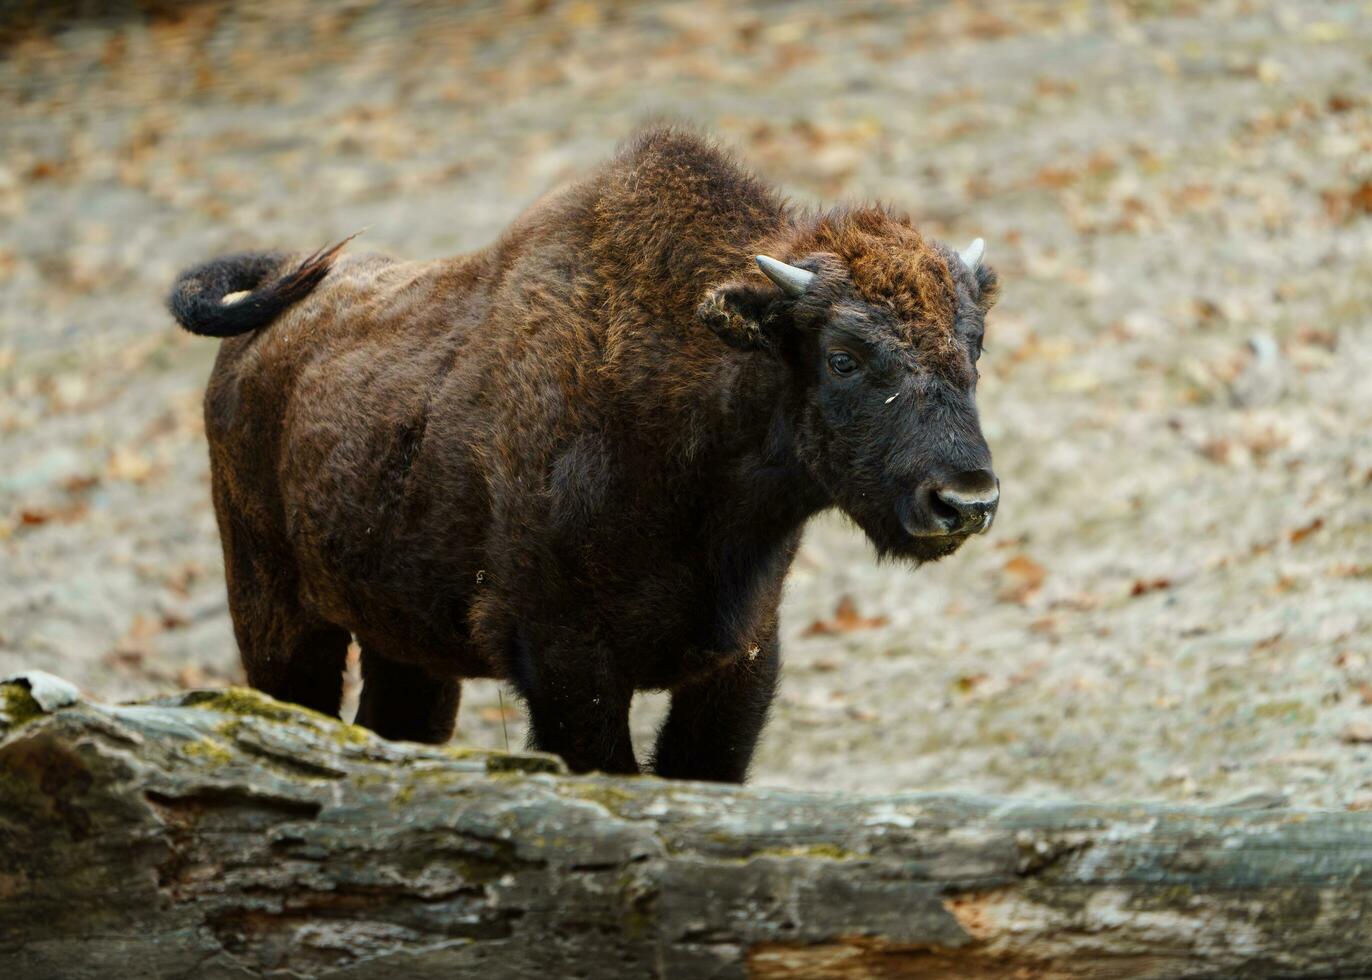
289,651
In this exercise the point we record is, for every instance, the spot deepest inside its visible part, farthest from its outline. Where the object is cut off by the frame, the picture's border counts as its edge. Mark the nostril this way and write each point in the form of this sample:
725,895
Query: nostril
944,512
967,509
942,508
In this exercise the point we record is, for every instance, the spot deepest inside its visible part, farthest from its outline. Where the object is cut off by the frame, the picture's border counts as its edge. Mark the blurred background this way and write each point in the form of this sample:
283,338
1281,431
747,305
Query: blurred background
1176,601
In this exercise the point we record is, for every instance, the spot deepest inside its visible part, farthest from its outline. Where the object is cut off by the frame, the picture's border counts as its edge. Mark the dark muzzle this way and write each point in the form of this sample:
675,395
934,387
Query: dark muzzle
963,504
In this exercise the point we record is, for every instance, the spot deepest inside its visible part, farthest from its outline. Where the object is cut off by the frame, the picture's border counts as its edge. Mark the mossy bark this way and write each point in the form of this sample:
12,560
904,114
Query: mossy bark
221,834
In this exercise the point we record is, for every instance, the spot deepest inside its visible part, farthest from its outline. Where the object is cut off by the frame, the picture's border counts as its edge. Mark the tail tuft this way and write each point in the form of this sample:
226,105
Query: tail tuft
203,298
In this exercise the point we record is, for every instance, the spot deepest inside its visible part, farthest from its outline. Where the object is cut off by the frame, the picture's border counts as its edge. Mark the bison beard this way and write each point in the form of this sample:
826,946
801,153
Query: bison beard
582,458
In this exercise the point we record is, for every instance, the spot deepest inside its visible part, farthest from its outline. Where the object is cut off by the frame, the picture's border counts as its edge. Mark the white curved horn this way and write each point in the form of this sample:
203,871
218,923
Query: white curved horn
792,281
971,255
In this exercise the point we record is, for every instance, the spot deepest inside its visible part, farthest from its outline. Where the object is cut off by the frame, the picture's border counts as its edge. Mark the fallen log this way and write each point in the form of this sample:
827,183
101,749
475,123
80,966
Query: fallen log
223,834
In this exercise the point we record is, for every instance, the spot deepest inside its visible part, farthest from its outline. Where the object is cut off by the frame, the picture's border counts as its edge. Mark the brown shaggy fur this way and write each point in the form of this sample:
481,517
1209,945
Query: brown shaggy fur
580,459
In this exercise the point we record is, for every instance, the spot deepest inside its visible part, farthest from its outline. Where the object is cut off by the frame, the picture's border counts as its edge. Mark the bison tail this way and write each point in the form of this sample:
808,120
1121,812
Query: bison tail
238,293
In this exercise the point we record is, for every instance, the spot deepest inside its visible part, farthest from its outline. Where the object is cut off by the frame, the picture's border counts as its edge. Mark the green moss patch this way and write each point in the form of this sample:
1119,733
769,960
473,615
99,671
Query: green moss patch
245,702
17,706
209,751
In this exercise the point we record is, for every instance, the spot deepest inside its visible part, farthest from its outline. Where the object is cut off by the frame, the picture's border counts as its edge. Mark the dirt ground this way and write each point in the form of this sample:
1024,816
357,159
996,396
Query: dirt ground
1176,602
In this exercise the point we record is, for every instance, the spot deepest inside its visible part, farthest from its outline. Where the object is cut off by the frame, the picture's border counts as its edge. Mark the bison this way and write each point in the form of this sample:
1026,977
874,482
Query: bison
580,460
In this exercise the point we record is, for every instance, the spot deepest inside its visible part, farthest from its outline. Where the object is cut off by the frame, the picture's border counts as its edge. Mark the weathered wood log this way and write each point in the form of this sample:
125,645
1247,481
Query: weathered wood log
222,834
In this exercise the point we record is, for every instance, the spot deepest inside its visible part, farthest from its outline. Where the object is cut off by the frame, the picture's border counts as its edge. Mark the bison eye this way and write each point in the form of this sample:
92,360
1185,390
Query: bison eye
841,362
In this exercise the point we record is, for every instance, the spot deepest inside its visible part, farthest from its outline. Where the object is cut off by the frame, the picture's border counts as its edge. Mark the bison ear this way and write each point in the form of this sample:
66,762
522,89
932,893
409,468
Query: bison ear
741,314
988,286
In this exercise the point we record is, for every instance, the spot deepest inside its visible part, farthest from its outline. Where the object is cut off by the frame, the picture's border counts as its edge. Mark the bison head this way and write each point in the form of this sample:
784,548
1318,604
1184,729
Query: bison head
880,332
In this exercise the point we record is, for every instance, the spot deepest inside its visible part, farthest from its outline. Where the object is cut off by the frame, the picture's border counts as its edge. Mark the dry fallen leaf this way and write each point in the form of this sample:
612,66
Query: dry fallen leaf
1268,642
191,676
1077,602
1145,586
1343,206
1219,450
968,683
1303,532
1357,733
125,658
126,464
80,483
181,576
1350,570
846,620
32,516
1023,578
36,516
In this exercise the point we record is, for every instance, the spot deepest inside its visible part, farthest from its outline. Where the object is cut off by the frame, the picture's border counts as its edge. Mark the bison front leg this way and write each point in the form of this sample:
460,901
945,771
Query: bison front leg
713,725
578,706
403,701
